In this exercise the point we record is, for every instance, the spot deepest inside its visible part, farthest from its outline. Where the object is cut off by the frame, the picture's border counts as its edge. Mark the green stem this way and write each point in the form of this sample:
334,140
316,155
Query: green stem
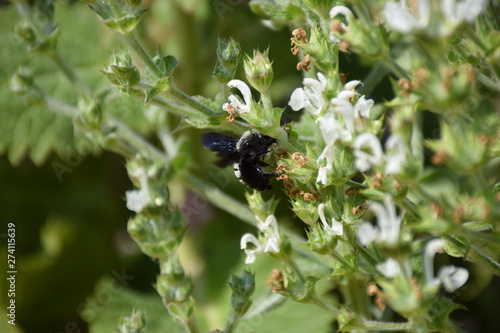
264,305
486,81
137,141
156,74
266,102
326,306
382,326
479,256
220,199
232,321
60,108
144,58
177,93
364,253
69,73
378,72
394,67
356,297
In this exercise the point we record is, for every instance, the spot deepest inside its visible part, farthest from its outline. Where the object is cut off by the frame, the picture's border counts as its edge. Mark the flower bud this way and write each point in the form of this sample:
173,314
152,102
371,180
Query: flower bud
320,241
123,20
173,284
26,32
90,113
228,58
259,71
242,287
121,71
133,324
22,83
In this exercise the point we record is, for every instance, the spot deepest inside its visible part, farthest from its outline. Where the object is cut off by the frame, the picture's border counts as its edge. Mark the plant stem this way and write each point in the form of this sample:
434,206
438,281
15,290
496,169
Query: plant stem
377,73
481,257
177,93
220,199
60,108
136,140
69,73
382,326
326,306
144,58
232,321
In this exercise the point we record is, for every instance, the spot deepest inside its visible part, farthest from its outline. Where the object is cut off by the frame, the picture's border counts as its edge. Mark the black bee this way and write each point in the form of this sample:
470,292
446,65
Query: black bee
246,154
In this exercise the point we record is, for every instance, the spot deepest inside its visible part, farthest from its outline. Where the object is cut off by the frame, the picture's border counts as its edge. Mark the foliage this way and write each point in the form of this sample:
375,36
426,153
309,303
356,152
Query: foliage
376,197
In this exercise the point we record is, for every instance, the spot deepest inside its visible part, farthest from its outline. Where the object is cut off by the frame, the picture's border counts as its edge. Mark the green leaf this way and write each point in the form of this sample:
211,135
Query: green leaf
121,303
440,312
161,85
36,131
165,64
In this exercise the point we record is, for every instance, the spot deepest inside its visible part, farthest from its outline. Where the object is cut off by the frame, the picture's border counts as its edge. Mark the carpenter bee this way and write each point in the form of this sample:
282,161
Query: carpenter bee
246,154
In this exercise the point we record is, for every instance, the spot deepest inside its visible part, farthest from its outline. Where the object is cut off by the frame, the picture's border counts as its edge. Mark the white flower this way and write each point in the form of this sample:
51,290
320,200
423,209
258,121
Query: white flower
401,18
342,104
270,229
364,160
137,200
388,224
463,11
331,130
389,268
394,159
344,11
447,16
337,229
235,102
272,242
250,252
363,107
310,97
396,154
366,233
451,277
323,173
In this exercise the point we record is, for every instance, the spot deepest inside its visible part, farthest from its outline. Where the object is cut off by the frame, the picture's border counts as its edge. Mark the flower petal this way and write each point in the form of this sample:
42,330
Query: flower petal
453,277
366,233
389,268
297,99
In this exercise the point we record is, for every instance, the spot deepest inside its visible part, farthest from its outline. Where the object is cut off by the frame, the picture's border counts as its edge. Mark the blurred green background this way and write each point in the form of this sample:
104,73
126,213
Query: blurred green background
78,270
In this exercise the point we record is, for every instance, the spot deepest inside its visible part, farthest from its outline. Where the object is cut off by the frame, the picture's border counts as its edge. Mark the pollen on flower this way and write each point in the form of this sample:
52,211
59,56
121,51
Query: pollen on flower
397,185
338,26
458,214
232,113
352,191
343,77
299,35
405,85
276,280
299,159
344,46
305,64
377,180
307,196
439,157
358,210
437,209
416,286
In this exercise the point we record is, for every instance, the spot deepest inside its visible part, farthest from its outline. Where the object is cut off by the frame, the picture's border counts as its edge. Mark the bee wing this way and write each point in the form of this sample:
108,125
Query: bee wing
224,145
